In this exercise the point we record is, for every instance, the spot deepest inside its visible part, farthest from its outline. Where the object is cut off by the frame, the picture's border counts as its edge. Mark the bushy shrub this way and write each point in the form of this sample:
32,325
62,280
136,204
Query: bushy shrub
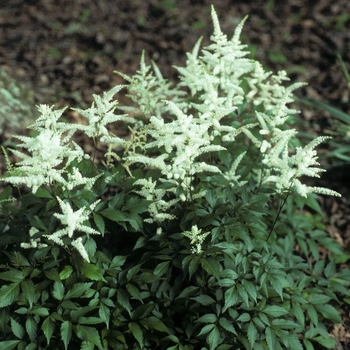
191,233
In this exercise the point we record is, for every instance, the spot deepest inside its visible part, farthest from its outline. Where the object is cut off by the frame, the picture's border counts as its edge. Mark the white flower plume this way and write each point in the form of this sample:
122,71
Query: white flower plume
44,165
73,221
102,113
196,238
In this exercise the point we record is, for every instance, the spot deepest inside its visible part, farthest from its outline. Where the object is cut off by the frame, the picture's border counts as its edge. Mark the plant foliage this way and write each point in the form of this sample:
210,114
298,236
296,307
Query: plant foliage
193,233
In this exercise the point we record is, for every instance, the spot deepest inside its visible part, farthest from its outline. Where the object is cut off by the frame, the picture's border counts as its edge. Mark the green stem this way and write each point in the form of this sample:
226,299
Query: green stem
276,218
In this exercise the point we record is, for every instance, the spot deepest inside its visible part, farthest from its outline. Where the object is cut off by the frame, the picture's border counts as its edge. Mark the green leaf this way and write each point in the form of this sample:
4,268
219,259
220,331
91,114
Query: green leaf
136,332
66,333
135,221
12,275
43,193
99,222
193,265
230,298
310,310
188,291
90,320
86,345
58,290
66,272
211,266
113,214
17,329
9,344
48,328
294,342
319,267
78,290
298,313
161,268
117,262
271,338
250,288
5,194
91,271
53,275
22,311
134,292
227,325
40,311
308,344
143,311
206,329
277,286
133,271
123,300
8,294
211,197
329,312
31,328
77,313
252,334
89,334
245,317
243,294
154,323
28,290
328,343
104,313
204,300
136,205
116,201
141,242
213,338
317,299
207,318
283,323
90,246
275,311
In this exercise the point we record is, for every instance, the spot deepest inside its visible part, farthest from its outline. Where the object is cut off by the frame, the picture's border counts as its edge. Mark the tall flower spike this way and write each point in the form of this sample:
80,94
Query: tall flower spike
148,89
101,113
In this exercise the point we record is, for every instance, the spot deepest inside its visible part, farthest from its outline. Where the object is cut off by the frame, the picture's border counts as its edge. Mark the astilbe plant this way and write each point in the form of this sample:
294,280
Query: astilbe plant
190,234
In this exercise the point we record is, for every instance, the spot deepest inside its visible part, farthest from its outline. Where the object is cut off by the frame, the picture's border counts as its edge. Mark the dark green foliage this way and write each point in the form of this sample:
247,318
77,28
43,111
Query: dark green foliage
150,291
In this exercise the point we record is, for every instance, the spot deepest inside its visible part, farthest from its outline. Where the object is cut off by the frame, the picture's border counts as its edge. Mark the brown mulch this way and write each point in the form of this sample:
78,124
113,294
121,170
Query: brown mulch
65,51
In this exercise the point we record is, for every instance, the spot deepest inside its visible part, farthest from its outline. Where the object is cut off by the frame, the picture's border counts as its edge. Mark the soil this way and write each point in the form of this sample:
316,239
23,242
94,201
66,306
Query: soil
65,51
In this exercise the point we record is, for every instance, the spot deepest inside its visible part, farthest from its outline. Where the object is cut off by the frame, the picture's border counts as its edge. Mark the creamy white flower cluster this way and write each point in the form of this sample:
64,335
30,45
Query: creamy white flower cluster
73,221
216,76
196,239
50,152
159,205
184,140
34,242
224,61
102,113
148,90
284,170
